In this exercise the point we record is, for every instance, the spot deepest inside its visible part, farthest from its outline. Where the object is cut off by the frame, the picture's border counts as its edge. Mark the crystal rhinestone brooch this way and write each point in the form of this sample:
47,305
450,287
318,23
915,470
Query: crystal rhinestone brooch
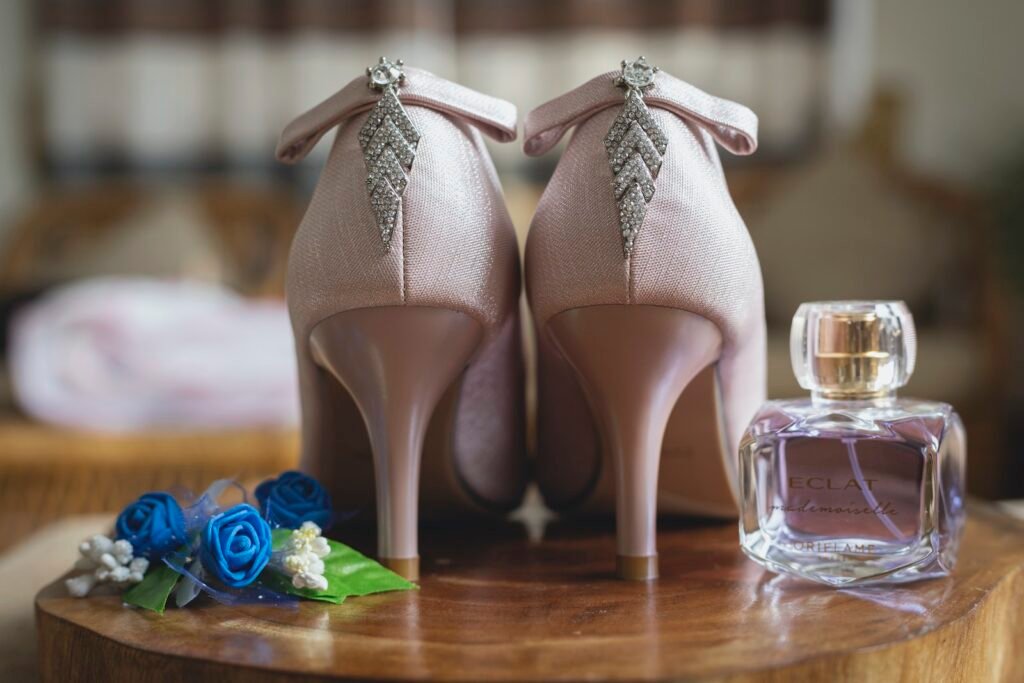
388,139
635,146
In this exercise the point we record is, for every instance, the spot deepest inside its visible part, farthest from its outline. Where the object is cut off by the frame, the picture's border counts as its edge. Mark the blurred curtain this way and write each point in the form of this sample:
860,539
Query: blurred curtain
207,84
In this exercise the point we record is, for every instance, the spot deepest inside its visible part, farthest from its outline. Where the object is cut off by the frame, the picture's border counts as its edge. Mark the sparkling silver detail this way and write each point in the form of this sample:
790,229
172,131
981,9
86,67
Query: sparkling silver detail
388,140
635,146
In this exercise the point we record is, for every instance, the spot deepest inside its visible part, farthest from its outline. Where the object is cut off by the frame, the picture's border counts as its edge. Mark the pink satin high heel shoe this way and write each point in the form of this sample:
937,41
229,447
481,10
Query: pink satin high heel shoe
403,286
647,298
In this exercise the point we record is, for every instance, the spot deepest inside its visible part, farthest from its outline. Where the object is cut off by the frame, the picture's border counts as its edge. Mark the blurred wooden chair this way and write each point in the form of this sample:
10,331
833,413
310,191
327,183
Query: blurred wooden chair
249,229
244,232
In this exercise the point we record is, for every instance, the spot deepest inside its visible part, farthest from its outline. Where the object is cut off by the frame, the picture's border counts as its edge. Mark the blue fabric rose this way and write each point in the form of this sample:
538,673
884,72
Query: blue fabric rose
235,545
154,525
294,498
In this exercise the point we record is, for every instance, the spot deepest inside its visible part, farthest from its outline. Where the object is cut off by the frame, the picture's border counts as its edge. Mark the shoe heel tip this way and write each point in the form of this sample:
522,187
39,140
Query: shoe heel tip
406,567
637,567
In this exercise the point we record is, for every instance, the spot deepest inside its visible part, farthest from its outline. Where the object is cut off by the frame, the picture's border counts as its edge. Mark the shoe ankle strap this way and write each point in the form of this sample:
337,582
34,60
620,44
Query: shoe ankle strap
732,125
496,118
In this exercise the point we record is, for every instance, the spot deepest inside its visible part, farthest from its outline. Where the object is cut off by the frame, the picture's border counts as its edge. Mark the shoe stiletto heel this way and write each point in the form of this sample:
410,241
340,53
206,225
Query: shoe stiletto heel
403,288
643,280
656,353
396,362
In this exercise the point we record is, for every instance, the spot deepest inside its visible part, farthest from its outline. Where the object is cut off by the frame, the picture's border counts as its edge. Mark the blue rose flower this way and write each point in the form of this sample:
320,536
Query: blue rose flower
154,525
294,498
235,545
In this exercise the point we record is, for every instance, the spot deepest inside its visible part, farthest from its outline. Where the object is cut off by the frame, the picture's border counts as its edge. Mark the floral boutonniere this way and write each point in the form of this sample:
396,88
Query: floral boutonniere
271,554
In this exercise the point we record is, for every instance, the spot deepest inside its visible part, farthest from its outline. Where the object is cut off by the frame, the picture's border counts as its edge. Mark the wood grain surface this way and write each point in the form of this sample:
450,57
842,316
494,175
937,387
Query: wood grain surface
495,607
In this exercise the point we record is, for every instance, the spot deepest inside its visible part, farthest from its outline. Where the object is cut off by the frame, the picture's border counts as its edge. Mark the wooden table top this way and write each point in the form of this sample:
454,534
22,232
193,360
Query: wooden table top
493,606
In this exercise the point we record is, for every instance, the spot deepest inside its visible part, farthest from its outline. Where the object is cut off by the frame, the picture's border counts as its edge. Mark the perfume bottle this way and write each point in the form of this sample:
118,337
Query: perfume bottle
853,485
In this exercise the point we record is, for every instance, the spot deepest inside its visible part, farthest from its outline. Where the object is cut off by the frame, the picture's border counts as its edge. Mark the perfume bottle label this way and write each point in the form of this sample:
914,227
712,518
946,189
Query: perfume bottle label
807,507
826,483
857,489
832,547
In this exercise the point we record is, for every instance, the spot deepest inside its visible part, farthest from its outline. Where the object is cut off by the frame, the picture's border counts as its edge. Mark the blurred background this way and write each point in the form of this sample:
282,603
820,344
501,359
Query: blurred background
144,224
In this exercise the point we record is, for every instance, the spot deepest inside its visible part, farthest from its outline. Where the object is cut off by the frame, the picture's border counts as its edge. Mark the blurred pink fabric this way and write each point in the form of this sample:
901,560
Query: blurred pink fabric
128,354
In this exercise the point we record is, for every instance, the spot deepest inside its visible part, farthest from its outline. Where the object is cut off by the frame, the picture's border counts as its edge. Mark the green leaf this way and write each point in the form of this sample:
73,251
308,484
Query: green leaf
278,537
152,592
349,573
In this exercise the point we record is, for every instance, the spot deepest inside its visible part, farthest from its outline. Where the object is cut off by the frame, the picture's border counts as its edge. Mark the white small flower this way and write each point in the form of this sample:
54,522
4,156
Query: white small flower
294,563
105,560
302,555
315,565
137,569
316,582
109,561
119,574
80,586
96,546
320,547
122,551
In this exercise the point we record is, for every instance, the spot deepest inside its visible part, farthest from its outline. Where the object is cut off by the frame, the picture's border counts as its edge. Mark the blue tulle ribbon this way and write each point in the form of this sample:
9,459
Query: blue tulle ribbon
206,506
254,594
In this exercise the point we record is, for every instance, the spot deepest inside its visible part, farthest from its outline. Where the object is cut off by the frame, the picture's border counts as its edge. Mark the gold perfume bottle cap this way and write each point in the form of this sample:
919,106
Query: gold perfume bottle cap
853,349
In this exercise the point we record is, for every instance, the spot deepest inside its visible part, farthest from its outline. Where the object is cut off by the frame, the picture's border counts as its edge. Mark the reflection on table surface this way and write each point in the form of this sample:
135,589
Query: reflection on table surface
493,600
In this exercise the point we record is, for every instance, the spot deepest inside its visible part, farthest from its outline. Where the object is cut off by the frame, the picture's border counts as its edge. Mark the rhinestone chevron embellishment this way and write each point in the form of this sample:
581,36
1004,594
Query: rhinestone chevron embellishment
388,139
635,146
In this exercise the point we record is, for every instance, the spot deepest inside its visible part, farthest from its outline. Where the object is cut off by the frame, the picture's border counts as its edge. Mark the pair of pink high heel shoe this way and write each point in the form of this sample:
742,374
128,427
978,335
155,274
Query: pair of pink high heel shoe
403,287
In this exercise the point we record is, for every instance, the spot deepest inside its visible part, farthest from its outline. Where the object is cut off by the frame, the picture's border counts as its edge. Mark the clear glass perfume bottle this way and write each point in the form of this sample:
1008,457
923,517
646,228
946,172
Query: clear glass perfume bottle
853,485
